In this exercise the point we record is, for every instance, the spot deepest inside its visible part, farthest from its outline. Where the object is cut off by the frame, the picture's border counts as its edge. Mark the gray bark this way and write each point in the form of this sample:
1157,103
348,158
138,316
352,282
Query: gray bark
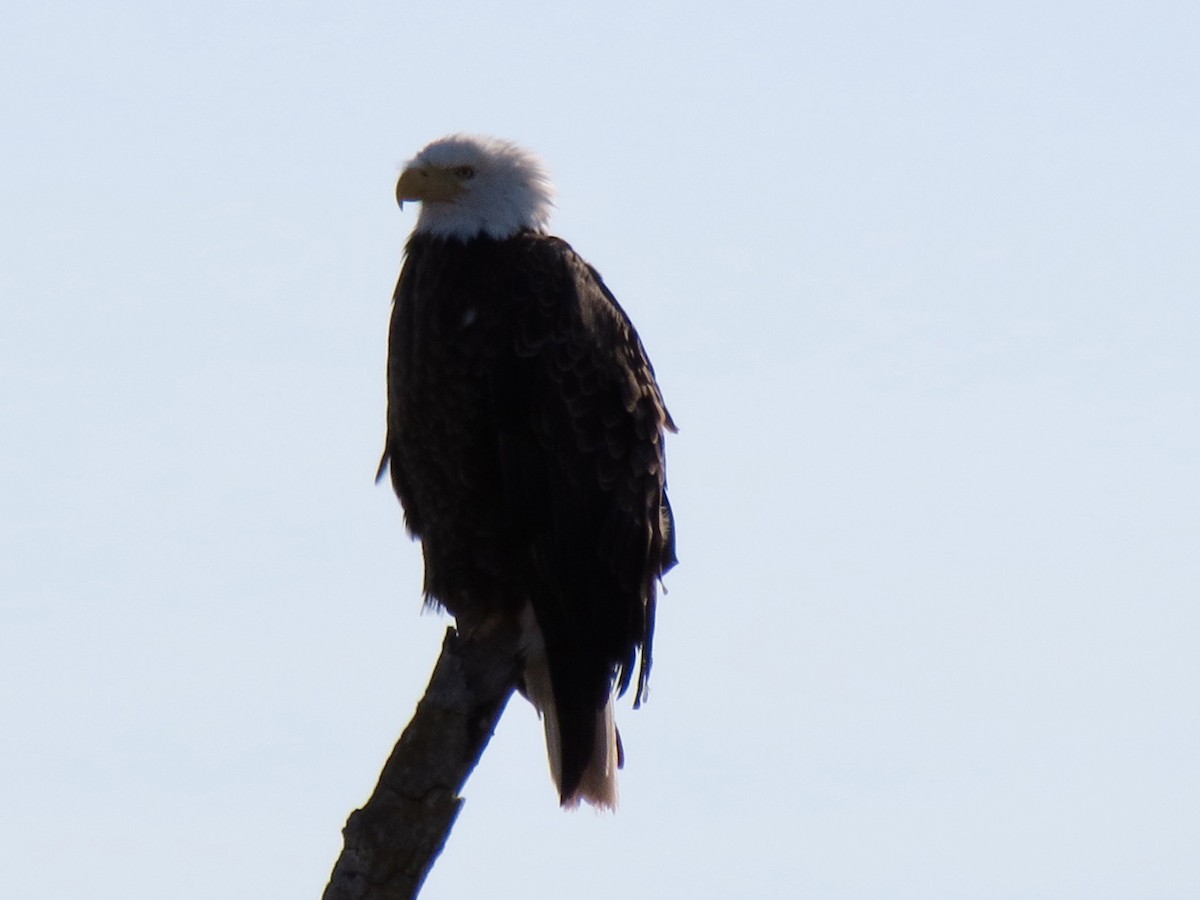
391,843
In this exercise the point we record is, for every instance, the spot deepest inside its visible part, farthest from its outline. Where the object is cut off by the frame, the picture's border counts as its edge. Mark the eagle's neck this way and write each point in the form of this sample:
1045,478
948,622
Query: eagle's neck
500,208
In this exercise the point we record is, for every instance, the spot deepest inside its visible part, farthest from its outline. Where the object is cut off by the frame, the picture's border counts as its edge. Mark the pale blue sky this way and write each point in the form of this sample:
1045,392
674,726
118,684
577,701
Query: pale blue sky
920,283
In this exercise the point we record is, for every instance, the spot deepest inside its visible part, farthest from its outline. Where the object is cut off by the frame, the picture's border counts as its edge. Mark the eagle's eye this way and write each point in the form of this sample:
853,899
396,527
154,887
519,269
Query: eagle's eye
466,173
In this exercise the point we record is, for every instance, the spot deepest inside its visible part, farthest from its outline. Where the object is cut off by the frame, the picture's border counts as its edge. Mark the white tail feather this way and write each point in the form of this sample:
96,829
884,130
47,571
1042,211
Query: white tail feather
598,787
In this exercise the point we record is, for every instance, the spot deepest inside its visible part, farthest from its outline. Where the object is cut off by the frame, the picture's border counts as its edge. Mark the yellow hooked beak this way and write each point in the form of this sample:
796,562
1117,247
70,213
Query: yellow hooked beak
428,184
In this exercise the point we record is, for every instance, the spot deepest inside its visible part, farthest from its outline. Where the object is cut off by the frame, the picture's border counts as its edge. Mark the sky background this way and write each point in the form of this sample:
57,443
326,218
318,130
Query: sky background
920,282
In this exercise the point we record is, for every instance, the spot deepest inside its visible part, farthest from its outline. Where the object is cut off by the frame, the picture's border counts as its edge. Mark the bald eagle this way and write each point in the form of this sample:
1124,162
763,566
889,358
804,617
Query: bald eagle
525,441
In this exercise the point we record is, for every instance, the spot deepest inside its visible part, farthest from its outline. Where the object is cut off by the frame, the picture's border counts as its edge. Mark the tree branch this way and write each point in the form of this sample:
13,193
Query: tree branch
391,843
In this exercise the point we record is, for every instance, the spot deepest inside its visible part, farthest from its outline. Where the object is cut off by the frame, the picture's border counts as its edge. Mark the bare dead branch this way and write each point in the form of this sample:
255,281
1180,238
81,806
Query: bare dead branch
391,843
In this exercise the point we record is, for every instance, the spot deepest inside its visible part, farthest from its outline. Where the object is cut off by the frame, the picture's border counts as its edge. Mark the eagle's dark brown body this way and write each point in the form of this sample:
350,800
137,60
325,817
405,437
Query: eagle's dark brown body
525,436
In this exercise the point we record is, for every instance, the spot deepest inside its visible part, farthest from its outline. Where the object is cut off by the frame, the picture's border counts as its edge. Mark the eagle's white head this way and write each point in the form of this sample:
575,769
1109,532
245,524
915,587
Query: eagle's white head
470,185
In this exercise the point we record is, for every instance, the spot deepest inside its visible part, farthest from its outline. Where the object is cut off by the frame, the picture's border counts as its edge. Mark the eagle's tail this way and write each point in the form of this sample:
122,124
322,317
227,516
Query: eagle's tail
597,783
